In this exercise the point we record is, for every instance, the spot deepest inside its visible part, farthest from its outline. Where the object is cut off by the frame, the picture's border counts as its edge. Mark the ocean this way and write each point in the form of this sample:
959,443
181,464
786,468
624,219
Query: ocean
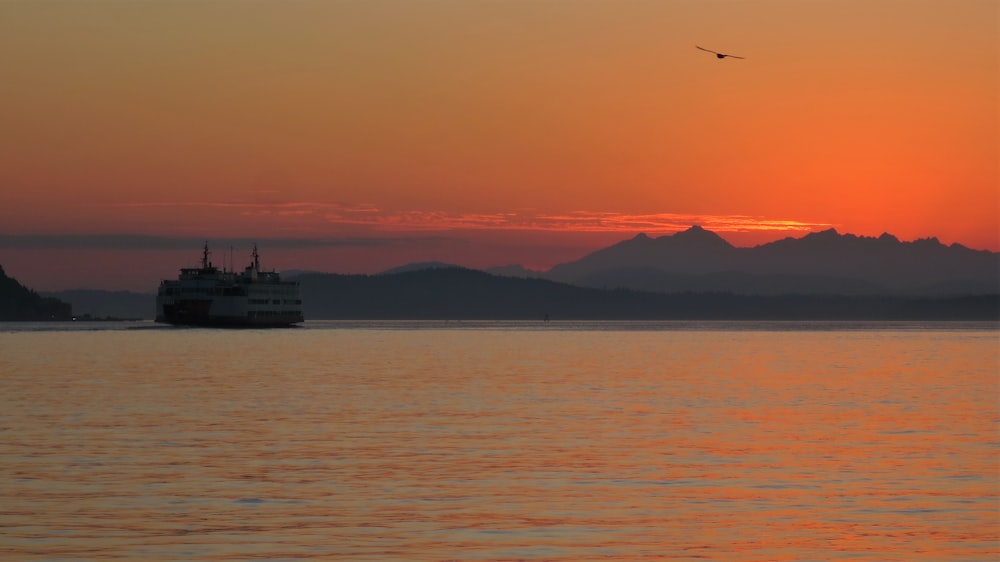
558,441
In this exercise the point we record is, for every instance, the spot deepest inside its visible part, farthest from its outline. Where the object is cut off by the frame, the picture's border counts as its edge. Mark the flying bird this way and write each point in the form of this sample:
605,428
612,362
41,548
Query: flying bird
718,54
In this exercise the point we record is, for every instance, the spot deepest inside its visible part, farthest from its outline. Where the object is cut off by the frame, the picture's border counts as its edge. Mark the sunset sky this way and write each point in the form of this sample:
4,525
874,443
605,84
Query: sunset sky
356,135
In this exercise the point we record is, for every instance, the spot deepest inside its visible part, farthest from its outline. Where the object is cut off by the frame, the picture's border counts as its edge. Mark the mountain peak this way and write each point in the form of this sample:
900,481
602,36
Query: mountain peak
931,242
699,235
695,230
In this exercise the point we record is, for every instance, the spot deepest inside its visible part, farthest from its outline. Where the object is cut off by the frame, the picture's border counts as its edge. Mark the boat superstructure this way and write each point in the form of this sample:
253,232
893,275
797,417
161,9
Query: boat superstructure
208,296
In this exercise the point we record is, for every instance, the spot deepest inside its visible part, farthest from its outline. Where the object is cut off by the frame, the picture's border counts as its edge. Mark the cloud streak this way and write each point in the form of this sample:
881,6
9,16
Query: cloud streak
671,222
375,220
186,243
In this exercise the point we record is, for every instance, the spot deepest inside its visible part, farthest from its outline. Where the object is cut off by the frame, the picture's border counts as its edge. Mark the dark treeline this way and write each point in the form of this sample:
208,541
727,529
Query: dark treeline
456,293
107,305
19,303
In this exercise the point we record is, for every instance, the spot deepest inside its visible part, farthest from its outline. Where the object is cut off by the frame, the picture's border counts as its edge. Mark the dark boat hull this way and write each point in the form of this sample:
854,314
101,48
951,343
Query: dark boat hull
196,313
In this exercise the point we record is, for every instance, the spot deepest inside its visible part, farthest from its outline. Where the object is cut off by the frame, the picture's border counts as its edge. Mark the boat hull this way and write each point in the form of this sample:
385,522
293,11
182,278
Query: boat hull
231,322
199,312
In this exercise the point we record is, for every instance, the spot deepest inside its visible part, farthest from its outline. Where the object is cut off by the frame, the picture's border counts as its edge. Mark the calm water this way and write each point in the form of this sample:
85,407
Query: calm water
501,441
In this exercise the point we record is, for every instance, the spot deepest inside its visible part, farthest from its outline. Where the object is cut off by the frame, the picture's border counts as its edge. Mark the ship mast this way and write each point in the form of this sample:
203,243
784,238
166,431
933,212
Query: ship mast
204,256
256,259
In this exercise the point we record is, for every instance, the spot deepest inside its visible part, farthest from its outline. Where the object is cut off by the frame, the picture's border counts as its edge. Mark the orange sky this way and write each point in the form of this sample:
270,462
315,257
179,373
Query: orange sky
486,132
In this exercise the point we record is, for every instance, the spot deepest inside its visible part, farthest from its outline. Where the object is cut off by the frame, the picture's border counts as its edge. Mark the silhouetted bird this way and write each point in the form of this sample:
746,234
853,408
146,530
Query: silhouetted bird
719,55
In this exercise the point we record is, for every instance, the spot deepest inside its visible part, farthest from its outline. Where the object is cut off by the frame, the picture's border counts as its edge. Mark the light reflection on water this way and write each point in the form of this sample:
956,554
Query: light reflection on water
485,441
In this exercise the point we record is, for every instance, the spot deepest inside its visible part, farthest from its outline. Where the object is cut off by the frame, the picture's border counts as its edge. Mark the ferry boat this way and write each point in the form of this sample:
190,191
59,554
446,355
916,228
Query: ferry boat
210,297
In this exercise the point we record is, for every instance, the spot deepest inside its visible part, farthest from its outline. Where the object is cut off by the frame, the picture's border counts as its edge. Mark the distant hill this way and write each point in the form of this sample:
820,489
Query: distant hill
419,266
822,263
515,270
292,273
659,281
19,303
108,304
456,293
512,270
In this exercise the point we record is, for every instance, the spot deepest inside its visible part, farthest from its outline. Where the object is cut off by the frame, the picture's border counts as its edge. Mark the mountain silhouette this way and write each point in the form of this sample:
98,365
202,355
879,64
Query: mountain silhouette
514,270
824,262
694,250
100,304
18,302
466,294
419,266
690,274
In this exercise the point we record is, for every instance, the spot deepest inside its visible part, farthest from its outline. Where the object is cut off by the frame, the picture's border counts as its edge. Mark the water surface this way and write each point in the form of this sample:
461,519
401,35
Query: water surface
500,441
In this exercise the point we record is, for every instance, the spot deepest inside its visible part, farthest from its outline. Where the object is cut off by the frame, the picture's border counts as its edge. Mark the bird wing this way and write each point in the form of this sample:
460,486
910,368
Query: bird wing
718,53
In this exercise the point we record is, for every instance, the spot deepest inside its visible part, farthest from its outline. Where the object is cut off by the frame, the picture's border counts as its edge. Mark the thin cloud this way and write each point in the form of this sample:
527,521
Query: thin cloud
95,241
307,206
143,242
373,219
586,221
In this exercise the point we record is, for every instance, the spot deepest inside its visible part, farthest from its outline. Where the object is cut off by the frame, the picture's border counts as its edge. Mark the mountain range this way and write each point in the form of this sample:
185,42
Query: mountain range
453,293
696,264
821,263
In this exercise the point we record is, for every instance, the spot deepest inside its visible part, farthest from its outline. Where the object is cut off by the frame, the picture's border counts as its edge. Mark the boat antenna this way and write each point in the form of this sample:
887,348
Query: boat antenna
256,258
204,256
